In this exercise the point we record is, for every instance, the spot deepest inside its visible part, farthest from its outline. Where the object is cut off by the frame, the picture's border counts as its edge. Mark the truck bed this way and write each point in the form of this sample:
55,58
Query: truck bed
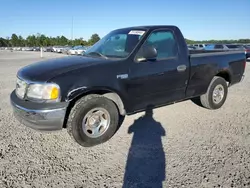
202,53
212,51
205,65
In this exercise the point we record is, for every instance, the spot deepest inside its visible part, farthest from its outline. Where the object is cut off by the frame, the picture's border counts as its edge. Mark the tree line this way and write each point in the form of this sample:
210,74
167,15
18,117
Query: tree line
43,40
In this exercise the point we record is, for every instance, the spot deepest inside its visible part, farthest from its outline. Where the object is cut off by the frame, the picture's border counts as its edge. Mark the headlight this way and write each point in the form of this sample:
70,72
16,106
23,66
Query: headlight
20,88
44,92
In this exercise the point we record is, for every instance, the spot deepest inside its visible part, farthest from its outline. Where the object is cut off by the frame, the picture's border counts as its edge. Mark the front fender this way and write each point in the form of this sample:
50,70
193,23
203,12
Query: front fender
109,93
74,93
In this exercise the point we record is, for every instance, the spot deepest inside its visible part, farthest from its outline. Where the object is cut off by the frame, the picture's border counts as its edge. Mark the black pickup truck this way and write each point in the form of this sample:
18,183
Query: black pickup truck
125,72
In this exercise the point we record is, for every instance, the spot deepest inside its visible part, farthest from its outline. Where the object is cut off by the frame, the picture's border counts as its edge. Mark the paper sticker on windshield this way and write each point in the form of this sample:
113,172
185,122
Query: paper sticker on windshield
136,32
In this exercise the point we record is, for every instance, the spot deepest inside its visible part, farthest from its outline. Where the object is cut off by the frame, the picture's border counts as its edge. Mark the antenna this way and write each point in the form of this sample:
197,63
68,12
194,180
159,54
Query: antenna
72,30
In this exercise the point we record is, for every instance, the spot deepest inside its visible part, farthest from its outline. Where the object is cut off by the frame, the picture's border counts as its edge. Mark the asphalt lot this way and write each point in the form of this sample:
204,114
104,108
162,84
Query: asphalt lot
183,145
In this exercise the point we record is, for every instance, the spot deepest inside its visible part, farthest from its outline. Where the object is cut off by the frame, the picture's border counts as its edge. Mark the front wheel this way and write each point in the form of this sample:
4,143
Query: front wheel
93,120
216,94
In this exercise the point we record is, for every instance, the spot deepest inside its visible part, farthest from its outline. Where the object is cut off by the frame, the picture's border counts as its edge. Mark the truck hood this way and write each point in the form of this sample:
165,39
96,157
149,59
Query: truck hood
45,70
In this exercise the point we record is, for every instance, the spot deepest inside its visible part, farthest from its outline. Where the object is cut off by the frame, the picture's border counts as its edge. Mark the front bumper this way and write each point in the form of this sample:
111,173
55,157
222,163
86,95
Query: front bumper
39,116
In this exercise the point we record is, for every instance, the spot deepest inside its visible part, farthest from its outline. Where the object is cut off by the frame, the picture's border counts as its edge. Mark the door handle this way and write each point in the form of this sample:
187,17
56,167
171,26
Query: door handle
181,68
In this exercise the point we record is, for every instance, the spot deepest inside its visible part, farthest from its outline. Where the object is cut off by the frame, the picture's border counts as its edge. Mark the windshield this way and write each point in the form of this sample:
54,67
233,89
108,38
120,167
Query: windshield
118,44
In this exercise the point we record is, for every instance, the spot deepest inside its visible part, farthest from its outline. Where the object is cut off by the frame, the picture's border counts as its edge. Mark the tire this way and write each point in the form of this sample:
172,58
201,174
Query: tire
121,120
80,111
208,101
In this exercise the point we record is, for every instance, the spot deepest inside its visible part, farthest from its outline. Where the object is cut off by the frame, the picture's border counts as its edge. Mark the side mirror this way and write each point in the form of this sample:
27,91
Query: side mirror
148,53
117,37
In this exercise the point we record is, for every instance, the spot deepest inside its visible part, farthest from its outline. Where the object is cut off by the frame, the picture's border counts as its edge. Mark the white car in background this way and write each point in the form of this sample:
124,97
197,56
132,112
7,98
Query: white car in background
56,49
200,46
81,50
59,49
76,50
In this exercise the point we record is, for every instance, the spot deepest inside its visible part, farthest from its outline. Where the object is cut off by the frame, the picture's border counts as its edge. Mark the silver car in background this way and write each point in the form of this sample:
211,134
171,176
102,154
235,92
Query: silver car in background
73,51
81,50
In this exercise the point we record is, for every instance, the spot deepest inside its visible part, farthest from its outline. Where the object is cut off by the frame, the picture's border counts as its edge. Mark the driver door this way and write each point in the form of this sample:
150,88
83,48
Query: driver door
160,81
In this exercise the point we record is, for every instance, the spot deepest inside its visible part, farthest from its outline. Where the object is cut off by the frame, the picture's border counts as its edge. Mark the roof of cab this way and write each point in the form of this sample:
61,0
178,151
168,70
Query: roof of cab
151,27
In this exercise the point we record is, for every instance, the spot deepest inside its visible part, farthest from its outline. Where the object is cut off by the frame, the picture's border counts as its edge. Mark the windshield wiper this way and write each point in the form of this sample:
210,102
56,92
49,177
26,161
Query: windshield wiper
97,53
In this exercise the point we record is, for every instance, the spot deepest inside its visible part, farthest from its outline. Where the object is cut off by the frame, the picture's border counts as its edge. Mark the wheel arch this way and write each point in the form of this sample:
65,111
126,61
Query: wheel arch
225,74
106,92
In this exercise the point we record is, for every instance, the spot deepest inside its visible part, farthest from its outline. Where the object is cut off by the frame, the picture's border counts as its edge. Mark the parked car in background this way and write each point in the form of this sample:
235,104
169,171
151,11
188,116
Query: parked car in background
199,46
228,47
73,51
209,47
47,49
17,48
190,47
235,47
80,50
27,49
36,48
66,49
87,47
60,49
247,50
56,48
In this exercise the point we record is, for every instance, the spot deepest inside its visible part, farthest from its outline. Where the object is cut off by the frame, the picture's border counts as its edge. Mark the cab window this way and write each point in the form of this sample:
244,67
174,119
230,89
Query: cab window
164,43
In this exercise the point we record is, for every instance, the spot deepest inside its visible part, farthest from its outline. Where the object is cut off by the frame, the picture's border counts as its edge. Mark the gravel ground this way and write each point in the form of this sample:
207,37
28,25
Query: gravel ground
183,145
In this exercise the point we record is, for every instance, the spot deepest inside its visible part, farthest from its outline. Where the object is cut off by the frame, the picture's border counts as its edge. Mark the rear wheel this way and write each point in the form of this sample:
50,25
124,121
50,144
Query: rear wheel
216,94
93,120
